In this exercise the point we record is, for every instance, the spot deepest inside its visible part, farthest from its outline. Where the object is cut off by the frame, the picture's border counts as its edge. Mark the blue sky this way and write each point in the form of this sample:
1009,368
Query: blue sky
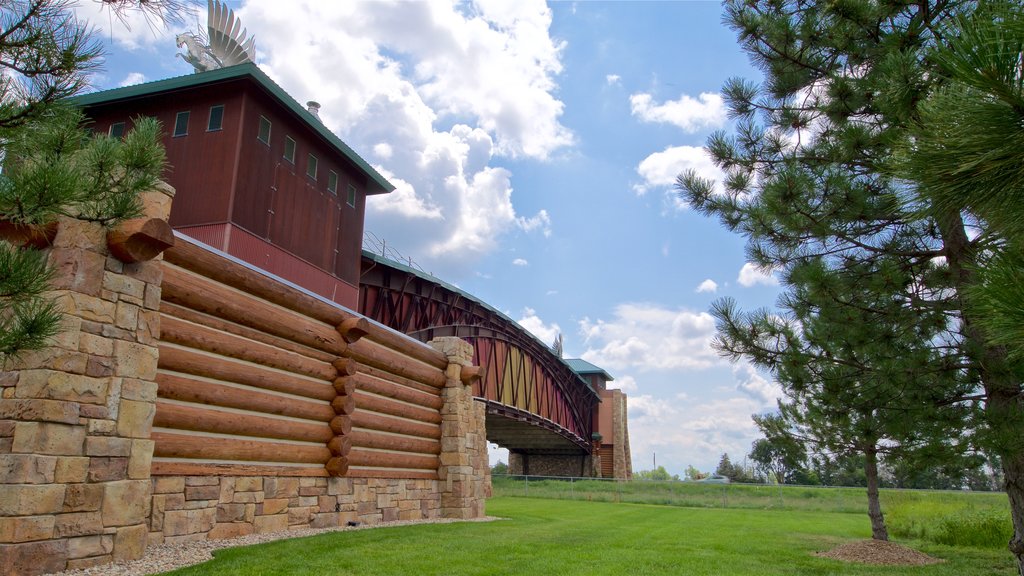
534,147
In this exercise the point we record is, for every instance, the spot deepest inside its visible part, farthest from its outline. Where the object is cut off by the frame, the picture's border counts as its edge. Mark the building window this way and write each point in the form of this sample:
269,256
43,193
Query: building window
181,124
311,167
116,130
332,182
264,134
216,118
289,149
351,195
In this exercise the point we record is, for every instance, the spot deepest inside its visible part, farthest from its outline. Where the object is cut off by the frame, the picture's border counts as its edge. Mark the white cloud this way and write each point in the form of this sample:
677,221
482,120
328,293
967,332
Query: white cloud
546,333
134,29
625,383
132,79
751,275
707,285
520,262
437,93
687,113
649,337
681,432
613,79
660,170
750,382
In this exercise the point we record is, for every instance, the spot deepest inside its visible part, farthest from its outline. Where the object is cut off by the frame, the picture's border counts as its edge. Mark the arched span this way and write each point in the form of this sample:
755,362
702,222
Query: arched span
522,380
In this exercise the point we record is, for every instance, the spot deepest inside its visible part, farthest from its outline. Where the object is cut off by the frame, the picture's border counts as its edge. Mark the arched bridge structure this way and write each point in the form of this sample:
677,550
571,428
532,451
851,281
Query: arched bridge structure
536,404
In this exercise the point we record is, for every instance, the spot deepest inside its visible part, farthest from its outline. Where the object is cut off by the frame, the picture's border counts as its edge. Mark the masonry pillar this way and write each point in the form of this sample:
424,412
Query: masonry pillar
463,470
75,417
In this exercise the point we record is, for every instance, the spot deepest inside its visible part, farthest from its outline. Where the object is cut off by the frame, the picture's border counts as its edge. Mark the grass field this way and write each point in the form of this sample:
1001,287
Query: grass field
577,537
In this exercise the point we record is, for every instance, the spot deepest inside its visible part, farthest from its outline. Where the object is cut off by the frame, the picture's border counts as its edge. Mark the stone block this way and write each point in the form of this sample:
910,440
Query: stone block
325,520
272,506
95,427
94,411
85,546
39,410
105,469
71,469
149,271
108,446
83,498
151,301
77,524
126,316
29,558
281,487
299,516
135,360
202,492
256,497
95,345
272,523
231,512
77,270
141,460
59,385
122,284
90,308
202,481
130,542
248,483
140,390
230,530
312,490
26,528
135,419
30,499
327,503
168,484
90,562
27,469
125,502
155,539
48,438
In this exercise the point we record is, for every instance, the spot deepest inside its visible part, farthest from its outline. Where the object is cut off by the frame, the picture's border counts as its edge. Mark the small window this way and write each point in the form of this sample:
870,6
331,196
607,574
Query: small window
289,149
216,118
311,167
351,195
181,124
332,182
116,130
264,134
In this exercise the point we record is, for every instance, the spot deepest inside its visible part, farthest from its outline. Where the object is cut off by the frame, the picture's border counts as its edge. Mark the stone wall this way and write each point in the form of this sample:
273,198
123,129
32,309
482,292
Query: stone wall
567,465
187,508
75,417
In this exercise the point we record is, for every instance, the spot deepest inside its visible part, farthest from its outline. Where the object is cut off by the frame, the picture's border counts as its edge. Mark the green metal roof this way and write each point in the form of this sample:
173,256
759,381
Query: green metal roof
580,366
246,70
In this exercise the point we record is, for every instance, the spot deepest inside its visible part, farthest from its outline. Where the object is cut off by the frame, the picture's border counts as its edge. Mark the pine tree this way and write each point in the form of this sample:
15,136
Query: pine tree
51,167
809,184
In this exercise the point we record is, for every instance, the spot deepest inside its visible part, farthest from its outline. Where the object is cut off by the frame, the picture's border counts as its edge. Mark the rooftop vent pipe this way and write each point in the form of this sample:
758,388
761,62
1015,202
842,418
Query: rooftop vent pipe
314,108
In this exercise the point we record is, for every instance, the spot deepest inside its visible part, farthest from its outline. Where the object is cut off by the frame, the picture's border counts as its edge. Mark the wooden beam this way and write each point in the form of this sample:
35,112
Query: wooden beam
140,239
398,391
214,469
352,329
361,457
172,445
341,425
370,439
179,387
397,362
337,466
340,445
395,378
205,295
345,366
470,375
372,421
198,363
383,405
197,317
344,405
199,419
345,385
210,340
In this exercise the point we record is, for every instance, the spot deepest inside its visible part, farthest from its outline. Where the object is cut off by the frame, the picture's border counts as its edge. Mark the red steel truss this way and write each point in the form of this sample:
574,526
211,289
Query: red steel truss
521,377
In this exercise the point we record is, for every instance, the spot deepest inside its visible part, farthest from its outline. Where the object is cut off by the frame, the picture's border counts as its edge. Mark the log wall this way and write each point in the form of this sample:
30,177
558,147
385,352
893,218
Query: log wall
258,376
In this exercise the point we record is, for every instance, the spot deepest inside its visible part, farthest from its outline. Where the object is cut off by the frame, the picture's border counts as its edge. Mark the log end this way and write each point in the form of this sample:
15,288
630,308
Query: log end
345,367
470,375
340,445
344,405
140,239
352,329
337,466
30,236
341,425
345,385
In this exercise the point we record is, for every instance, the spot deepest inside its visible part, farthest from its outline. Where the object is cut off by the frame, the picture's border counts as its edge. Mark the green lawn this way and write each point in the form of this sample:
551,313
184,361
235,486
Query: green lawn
566,537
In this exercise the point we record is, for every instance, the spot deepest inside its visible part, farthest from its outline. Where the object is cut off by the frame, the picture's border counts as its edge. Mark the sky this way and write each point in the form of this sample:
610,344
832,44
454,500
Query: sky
534,149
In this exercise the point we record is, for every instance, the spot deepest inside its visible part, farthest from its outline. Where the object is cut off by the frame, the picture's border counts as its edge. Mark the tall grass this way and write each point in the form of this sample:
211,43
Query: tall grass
979,519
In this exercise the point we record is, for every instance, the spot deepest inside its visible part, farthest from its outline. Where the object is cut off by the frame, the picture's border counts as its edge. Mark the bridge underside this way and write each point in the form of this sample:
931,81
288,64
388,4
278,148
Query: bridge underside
536,446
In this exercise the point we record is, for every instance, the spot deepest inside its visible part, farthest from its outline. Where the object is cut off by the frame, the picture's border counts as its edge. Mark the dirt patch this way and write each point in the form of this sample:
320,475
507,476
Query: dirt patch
880,553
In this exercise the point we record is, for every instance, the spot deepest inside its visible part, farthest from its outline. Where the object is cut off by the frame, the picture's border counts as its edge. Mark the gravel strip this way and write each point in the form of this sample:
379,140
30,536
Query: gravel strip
167,557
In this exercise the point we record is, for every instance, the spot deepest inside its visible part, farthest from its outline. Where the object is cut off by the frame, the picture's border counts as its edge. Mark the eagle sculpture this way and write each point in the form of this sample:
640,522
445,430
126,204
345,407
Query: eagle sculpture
225,43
